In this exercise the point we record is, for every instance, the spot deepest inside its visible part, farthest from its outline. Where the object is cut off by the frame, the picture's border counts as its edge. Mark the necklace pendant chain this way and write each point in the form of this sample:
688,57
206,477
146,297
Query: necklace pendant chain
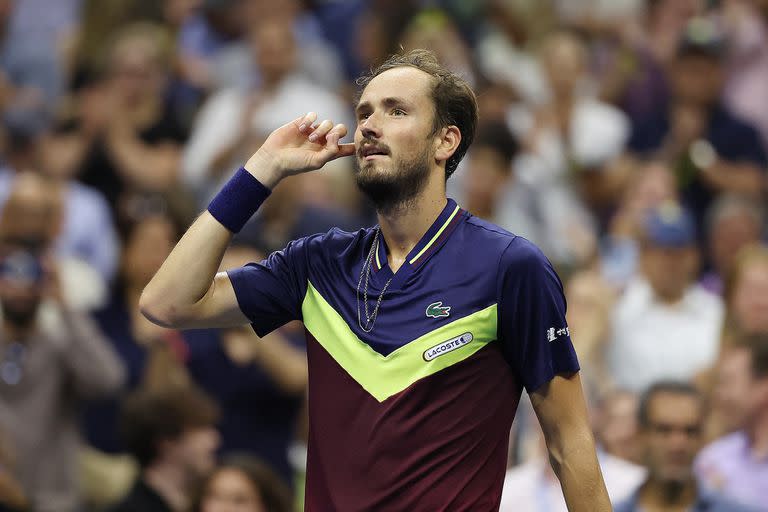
365,271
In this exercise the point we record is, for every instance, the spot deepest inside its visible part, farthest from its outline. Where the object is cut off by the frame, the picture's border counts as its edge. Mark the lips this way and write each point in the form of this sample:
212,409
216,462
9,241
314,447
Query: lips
370,150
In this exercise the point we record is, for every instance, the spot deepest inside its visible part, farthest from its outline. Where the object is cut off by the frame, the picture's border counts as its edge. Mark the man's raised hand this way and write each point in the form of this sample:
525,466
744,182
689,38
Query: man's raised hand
297,147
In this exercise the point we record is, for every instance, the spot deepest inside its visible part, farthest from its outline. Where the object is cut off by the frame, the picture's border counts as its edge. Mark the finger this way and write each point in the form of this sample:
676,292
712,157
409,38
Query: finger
307,120
321,130
347,149
337,132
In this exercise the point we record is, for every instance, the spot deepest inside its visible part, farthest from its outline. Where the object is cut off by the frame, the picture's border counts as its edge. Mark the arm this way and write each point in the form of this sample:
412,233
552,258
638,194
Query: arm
186,292
562,413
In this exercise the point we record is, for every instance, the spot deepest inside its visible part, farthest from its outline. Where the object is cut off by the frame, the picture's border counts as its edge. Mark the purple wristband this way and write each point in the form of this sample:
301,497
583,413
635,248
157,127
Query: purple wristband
238,200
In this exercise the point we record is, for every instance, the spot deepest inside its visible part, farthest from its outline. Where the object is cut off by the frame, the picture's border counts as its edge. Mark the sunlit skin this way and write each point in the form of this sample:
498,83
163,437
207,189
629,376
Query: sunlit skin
750,299
231,491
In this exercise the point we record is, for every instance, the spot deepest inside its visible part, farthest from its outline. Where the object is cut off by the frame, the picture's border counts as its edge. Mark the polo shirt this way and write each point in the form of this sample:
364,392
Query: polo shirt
413,414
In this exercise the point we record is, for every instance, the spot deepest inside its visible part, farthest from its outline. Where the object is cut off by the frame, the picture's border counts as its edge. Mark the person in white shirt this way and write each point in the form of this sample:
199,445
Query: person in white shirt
665,326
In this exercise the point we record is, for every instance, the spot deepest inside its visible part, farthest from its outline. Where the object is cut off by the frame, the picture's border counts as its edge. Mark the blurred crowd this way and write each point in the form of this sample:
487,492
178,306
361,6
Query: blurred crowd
627,138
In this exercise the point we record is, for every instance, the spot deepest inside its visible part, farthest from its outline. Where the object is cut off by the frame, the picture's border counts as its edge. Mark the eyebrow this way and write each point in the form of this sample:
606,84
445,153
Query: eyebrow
388,102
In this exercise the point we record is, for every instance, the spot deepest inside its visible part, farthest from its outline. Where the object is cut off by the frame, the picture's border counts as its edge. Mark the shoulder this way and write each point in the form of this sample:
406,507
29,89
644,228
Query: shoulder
333,242
731,443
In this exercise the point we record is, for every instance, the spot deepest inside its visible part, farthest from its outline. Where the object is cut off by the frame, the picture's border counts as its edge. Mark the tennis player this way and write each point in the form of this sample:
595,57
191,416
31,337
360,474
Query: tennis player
421,331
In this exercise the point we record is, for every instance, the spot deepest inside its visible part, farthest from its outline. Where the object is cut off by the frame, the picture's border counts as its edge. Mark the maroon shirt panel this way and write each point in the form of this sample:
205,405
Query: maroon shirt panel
439,445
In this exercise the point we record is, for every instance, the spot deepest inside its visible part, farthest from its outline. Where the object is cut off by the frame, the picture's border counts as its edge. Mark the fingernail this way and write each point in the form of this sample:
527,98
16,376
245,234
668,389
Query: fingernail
302,127
313,137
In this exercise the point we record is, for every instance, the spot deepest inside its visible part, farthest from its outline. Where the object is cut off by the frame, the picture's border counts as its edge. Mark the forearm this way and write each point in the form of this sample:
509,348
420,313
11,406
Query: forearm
144,166
578,470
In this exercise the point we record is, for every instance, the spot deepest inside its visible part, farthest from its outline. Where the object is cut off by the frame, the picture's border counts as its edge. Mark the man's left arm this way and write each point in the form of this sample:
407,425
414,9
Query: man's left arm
562,413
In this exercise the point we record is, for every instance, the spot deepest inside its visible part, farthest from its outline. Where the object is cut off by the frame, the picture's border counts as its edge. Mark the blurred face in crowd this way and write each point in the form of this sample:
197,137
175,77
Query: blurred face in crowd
135,69
486,178
275,49
739,395
729,234
147,246
232,491
669,270
617,426
749,301
696,80
194,451
564,60
394,136
672,437
21,286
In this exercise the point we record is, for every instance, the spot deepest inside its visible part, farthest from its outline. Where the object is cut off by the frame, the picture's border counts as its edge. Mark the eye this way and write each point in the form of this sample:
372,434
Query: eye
363,116
398,112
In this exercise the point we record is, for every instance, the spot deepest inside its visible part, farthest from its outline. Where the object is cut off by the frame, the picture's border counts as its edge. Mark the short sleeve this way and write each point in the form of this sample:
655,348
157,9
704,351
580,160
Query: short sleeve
532,327
270,293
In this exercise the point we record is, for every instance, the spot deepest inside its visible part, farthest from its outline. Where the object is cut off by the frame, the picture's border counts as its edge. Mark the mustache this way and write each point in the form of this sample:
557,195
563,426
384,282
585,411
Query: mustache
371,145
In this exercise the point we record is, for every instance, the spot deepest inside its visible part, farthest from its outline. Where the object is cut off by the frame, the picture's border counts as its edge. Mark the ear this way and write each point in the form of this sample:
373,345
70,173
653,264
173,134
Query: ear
448,140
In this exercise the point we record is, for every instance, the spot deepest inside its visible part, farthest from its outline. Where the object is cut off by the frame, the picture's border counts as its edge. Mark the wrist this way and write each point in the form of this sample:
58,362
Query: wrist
263,166
234,205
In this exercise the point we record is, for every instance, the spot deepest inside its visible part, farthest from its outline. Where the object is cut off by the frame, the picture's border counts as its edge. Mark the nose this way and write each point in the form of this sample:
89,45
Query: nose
369,127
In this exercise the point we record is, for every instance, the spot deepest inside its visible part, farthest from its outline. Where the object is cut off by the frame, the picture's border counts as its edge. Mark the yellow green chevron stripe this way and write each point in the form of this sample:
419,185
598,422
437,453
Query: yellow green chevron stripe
383,376
439,231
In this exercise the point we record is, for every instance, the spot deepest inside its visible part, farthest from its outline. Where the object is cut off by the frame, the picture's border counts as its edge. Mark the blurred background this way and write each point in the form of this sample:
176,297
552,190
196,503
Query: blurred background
627,138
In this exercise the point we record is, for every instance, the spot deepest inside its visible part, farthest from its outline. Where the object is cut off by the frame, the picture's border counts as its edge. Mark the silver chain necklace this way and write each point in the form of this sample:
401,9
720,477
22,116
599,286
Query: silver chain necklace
370,318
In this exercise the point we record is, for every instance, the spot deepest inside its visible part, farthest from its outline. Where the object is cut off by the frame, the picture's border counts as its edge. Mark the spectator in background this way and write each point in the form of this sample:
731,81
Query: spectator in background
147,242
243,484
670,416
616,425
737,464
85,232
53,359
650,185
712,150
171,433
259,383
732,222
665,326
746,292
231,122
202,36
571,131
746,25
128,136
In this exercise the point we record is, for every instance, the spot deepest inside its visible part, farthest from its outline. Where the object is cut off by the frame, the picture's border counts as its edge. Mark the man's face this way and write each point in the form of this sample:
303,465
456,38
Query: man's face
750,299
739,396
21,286
394,136
697,79
672,437
195,451
669,270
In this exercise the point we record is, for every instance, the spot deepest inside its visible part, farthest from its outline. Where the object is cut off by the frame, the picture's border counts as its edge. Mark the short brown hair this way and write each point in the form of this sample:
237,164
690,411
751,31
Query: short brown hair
275,494
455,101
149,417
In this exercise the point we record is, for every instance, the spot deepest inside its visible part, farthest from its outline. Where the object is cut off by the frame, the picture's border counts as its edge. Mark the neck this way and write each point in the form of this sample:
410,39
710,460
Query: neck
656,494
758,435
402,226
170,483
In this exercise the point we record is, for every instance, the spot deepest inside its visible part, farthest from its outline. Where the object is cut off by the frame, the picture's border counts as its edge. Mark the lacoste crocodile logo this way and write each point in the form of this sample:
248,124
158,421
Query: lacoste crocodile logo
437,310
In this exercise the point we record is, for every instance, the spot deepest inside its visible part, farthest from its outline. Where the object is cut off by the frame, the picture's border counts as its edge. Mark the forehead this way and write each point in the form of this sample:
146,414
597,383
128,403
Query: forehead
674,408
405,81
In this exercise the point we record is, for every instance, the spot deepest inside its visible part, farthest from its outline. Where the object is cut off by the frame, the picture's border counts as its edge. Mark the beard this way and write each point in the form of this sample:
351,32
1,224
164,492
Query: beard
395,188
21,315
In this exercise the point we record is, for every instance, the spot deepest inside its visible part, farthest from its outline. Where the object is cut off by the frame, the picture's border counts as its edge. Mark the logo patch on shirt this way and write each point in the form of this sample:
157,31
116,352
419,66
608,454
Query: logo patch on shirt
447,346
553,334
437,310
